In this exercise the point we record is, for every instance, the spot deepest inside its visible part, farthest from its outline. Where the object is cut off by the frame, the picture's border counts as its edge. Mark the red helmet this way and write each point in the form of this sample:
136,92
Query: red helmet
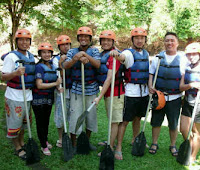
45,46
193,48
63,39
22,33
158,100
84,31
107,34
138,32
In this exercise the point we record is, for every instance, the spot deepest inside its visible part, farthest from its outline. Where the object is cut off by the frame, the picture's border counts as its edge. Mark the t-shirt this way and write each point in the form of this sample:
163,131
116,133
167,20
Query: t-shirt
90,88
56,65
10,66
109,64
169,59
131,89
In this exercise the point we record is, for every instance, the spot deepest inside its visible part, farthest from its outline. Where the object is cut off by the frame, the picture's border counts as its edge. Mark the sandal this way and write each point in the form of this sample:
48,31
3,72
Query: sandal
153,151
102,143
59,144
17,153
175,154
118,155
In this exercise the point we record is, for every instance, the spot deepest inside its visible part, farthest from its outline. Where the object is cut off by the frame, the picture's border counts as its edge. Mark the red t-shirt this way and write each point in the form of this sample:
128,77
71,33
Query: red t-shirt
109,65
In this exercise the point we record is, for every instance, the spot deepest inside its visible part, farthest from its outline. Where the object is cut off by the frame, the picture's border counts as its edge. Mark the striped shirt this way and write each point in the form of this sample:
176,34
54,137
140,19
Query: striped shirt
90,88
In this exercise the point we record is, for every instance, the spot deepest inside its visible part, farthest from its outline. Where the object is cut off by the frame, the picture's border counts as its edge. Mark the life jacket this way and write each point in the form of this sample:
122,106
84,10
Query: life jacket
191,76
90,71
29,76
103,70
169,75
68,78
49,77
138,73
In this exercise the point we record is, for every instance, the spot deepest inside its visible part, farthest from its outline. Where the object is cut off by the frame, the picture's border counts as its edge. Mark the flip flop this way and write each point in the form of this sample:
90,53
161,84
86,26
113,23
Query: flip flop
118,155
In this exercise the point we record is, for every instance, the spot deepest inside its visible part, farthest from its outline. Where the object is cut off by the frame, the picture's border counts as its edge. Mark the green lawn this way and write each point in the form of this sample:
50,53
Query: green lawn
162,160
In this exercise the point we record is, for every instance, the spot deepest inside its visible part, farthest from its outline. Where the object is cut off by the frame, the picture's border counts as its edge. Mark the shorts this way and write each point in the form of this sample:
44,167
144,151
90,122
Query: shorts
15,117
135,106
58,116
172,111
118,105
76,109
188,109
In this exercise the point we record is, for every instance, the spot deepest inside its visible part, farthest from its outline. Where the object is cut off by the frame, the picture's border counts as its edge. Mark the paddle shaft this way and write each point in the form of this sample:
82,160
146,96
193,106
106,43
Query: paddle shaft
150,95
83,85
64,87
111,99
62,105
193,113
25,103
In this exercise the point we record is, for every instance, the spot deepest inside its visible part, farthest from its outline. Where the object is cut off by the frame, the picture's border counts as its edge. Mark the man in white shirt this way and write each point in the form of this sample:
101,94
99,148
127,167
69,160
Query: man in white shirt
14,99
136,60
168,81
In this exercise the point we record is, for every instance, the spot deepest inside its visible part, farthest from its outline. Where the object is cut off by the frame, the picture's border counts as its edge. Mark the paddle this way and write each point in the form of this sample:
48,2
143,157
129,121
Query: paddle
83,145
32,152
139,143
107,156
66,141
82,117
185,148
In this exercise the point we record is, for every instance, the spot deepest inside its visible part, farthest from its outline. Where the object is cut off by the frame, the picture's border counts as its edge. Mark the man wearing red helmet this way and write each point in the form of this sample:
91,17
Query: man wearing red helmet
136,60
14,99
91,59
64,44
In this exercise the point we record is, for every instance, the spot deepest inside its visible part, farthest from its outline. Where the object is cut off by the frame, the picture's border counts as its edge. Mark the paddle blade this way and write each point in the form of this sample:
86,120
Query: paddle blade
184,153
106,159
67,147
83,145
80,120
32,152
139,145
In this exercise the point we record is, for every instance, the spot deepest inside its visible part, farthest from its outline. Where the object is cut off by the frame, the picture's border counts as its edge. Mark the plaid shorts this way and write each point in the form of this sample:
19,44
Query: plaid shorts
15,117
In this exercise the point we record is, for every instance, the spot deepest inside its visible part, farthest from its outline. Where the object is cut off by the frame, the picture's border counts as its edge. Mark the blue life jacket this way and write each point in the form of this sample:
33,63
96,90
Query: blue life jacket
138,73
191,76
68,78
49,77
29,76
90,71
169,75
103,70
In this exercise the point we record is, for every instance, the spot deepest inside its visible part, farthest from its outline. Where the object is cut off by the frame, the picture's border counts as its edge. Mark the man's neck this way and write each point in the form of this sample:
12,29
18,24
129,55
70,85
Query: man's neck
171,52
22,51
137,49
83,48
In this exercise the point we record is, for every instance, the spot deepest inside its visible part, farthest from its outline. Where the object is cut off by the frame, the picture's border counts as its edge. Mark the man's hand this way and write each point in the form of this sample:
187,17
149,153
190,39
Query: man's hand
20,71
84,60
78,56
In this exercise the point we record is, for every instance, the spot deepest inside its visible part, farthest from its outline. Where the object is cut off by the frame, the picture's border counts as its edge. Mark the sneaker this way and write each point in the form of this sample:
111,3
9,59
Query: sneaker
59,144
49,146
46,151
92,147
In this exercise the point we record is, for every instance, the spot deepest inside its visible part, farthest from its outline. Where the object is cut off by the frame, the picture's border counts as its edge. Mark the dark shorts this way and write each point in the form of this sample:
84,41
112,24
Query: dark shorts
188,109
134,106
172,111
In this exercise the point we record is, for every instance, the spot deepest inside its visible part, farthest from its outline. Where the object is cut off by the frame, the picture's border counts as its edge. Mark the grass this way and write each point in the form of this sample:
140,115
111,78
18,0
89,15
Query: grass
162,160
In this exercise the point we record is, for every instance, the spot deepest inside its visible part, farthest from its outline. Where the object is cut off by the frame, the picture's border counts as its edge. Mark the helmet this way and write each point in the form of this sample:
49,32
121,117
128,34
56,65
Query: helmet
63,39
22,33
138,32
158,100
45,46
193,48
107,34
85,31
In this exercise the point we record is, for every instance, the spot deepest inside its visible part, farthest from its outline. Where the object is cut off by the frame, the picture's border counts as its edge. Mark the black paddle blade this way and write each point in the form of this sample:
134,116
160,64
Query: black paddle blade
32,152
80,120
106,159
139,145
67,147
83,145
184,153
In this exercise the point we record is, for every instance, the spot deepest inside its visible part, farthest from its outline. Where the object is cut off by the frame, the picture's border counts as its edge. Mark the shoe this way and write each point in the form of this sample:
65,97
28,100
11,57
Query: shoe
153,151
92,147
59,144
17,153
103,143
49,146
175,153
46,151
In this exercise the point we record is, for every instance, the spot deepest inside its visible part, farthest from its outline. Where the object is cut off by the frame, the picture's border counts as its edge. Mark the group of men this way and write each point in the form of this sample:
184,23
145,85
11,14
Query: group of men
138,78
